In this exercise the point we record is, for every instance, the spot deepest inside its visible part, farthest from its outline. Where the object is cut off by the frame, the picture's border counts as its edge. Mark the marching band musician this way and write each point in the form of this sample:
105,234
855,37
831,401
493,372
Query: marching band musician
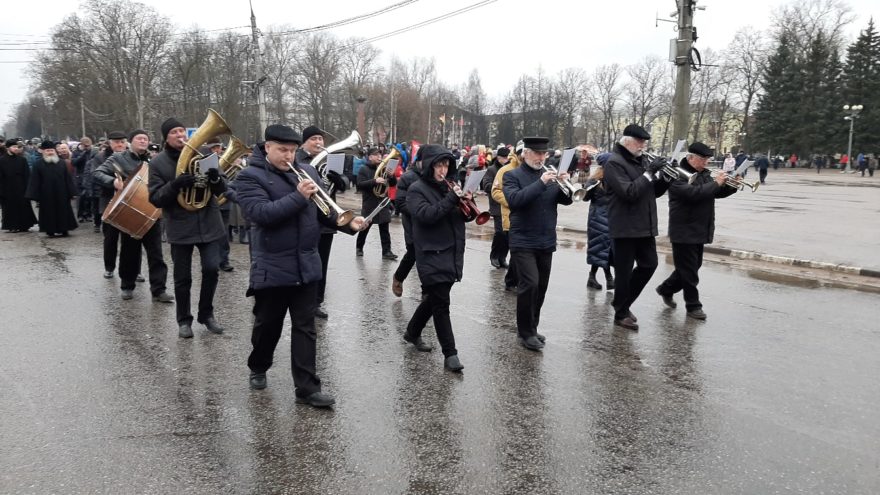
632,219
285,264
498,251
187,230
532,196
691,225
313,143
412,174
497,194
366,181
439,238
127,163
117,144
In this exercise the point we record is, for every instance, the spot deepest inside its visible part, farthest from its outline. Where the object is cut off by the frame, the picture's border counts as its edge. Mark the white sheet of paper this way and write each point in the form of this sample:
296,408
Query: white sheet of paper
209,162
567,155
473,181
390,167
336,162
742,168
679,152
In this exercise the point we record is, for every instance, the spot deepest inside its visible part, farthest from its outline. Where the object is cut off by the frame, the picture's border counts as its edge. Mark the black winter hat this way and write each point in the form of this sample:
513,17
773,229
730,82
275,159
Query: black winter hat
137,132
116,135
636,131
168,125
311,131
282,134
700,149
504,151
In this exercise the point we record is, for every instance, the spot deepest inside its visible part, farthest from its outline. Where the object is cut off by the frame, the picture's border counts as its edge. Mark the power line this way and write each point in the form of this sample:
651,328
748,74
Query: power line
350,20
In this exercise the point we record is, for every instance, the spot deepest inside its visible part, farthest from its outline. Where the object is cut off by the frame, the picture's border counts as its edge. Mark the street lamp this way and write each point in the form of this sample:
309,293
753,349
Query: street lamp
853,111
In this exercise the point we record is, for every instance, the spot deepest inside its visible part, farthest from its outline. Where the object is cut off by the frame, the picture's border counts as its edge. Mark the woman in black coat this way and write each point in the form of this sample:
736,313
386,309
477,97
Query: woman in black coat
598,237
438,236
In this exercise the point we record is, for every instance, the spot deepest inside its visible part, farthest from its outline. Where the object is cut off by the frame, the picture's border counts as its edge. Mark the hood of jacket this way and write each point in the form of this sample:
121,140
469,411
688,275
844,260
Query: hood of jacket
433,153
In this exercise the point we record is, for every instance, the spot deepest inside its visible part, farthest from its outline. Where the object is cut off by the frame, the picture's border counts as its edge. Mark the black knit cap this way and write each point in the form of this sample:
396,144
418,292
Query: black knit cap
700,149
47,145
13,142
282,134
116,135
504,151
311,131
137,132
636,131
168,125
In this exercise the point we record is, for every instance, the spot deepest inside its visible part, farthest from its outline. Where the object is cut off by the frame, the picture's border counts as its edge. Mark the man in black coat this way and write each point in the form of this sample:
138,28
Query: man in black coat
18,215
691,225
126,164
312,145
532,195
51,185
634,187
366,181
117,144
439,237
498,251
187,230
411,176
285,267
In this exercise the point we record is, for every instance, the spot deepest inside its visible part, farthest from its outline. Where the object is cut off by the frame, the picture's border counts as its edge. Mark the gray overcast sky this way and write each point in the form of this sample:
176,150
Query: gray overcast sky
501,39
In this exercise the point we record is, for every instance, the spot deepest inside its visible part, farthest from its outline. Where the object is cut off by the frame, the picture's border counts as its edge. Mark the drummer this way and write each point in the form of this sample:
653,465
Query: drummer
113,175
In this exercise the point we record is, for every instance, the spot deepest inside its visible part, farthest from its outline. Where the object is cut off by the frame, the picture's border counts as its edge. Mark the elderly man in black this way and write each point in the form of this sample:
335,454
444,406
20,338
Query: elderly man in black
18,215
532,195
187,230
691,225
634,187
438,234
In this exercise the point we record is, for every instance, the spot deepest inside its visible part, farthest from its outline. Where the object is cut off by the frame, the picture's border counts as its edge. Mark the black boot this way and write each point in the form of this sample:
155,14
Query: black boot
593,283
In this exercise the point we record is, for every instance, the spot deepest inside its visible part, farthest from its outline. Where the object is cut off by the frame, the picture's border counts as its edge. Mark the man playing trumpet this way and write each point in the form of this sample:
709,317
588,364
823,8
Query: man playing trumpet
691,225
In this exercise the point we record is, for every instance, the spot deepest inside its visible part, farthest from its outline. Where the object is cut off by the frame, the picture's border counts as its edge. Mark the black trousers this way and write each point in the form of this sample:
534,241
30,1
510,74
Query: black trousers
181,255
111,245
384,237
224,242
533,272
130,260
435,303
324,246
499,247
762,174
688,258
270,308
95,210
510,279
406,263
629,282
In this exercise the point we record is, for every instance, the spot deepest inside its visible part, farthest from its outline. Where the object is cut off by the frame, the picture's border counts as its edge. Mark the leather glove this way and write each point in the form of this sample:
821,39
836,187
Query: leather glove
183,181
213,175
656,165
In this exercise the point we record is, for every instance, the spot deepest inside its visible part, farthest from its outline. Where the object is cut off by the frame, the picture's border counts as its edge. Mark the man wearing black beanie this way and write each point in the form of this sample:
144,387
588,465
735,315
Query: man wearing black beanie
187,230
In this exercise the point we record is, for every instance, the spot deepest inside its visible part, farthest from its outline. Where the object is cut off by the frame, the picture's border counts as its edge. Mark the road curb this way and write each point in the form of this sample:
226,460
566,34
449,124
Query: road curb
772,258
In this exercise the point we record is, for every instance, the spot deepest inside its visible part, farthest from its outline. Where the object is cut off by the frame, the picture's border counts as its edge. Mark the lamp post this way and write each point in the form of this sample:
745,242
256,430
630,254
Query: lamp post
853,111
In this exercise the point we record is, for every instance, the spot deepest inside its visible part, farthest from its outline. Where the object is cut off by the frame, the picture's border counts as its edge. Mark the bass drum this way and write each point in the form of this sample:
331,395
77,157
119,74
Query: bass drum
130,209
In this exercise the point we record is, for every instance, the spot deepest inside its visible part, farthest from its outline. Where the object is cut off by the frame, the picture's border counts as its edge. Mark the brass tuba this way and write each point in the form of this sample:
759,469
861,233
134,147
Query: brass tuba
320,160
230,164
198,196
381,190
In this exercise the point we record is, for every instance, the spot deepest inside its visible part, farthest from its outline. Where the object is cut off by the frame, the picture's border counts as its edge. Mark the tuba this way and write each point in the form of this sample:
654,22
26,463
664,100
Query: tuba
320,160
198,196
381,190
229,162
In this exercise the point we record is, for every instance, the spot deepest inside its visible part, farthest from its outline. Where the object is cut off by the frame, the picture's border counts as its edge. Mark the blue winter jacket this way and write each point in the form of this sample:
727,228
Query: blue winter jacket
532,208
285,226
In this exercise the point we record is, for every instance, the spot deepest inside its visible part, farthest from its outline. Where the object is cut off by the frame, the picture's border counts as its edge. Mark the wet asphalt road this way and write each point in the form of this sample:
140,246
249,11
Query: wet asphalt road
776,393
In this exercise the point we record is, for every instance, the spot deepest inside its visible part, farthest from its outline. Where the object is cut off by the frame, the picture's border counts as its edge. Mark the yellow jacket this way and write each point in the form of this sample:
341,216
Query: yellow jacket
498,194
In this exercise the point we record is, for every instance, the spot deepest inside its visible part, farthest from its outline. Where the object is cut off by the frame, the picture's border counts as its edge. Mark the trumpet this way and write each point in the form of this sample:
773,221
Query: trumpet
734,181
574,192
381,190
323,201
468,207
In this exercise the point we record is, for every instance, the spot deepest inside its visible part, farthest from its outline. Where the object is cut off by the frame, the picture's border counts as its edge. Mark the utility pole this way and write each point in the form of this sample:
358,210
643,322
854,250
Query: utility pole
140,102
259,77
683,45
82,116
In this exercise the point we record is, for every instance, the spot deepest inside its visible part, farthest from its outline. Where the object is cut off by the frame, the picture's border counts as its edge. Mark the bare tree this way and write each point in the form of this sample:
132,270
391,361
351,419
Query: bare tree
604,94
319,68
743,60
645,89
571,96
803,20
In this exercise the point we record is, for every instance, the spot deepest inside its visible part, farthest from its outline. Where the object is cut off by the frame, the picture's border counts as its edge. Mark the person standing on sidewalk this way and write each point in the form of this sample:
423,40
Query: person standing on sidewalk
632,212
691,226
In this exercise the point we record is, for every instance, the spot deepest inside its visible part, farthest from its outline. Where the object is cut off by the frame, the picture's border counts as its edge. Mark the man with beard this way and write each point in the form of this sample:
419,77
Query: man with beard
366,181
187,230
312,144
284,263
632,219
51,185
532,196
18,215
118,144
126,164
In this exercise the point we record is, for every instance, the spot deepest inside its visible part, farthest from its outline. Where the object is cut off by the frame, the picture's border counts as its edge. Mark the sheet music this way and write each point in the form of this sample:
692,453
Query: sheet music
679,152
565,161
391,166
473,181
336,162
742,168
209,162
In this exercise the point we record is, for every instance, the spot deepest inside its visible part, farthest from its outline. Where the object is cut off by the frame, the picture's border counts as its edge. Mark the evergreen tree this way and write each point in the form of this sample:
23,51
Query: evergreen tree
777,112
862,87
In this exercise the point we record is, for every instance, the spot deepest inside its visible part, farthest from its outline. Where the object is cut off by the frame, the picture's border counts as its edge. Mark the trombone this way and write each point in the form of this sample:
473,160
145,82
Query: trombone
323,201
574,192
